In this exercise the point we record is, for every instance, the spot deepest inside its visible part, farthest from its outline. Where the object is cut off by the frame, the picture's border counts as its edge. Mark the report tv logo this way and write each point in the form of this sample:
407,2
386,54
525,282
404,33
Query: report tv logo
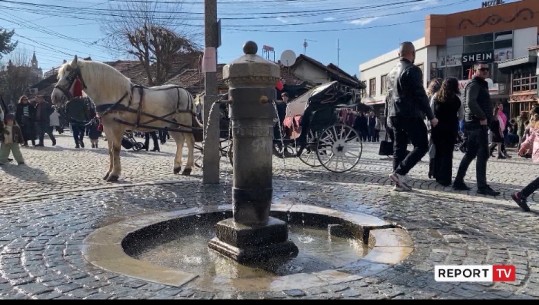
475,273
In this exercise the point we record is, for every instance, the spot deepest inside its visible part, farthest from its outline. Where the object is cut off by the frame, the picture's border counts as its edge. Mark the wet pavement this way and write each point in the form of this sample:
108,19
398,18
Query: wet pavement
49,206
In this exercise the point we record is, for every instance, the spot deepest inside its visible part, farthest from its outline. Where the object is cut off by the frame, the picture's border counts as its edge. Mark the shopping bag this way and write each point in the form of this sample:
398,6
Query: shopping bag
386,147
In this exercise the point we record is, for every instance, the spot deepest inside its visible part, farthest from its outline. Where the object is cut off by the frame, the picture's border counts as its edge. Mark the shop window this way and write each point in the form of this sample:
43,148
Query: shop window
524,80
372,87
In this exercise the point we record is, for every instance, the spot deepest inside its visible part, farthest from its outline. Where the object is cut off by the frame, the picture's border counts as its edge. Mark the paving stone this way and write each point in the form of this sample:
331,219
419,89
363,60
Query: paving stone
43,226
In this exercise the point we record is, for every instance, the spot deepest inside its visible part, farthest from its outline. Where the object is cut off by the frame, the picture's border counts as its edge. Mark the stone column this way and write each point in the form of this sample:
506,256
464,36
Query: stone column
252,235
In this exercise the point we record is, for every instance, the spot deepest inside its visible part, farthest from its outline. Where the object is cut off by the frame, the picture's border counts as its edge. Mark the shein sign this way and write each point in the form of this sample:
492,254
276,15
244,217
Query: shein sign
471,58
492,3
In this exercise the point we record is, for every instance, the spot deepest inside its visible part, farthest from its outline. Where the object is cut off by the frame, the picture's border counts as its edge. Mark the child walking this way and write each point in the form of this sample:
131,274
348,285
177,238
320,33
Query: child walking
532,141
11,137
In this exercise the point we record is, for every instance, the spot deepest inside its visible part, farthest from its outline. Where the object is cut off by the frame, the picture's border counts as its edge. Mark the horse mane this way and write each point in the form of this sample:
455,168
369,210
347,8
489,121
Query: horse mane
108,83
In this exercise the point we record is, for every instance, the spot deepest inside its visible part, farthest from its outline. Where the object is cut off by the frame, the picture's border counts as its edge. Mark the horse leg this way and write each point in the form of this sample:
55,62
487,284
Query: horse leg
179,139
190,140
109,149
115,140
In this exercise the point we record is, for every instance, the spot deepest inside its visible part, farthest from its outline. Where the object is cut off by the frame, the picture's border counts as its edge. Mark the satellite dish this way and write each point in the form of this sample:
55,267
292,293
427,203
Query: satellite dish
288,58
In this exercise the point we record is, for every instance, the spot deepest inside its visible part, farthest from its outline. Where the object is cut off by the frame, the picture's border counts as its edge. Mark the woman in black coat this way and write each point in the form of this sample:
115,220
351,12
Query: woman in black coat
444,135
25,115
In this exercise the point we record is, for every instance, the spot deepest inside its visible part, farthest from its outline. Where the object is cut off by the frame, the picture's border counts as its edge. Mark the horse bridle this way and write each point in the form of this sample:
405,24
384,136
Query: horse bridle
70,78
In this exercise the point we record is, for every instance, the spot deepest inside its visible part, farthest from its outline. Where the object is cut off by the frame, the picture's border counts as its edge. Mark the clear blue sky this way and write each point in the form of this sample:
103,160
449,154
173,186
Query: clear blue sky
343,32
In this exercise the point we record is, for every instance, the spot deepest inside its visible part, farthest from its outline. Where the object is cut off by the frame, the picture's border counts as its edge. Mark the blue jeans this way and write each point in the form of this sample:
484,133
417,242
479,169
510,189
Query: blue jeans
476,146
405,130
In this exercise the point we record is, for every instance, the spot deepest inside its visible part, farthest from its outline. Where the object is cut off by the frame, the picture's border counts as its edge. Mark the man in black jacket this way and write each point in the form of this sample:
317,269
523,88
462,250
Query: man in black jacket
478,114
407,106
43,126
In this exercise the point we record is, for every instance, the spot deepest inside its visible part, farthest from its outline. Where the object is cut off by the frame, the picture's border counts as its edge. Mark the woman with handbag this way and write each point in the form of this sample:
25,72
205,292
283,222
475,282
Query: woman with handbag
446,105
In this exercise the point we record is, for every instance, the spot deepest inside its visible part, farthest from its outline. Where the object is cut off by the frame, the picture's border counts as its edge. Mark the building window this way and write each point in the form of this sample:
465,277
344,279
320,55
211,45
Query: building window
524,80
478,43
383,84
372,87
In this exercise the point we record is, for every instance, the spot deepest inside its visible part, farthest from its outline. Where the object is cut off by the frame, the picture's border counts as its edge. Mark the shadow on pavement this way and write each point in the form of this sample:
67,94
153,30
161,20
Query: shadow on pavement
26,173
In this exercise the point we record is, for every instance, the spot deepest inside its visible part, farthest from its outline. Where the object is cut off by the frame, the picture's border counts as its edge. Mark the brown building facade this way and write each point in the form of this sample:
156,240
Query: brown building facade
502,35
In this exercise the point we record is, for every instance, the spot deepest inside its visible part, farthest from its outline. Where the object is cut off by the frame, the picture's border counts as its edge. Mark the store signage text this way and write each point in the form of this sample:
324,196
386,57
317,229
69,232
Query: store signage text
492,3
470,58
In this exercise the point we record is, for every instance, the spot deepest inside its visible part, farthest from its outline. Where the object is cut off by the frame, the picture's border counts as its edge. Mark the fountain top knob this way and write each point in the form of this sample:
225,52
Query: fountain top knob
250,47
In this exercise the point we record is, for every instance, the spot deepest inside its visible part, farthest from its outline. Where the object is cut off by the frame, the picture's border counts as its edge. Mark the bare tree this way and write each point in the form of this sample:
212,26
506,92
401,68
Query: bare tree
18,76
153,33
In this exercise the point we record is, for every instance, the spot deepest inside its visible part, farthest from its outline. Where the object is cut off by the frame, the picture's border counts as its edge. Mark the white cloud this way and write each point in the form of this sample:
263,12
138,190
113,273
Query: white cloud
364,21
425,4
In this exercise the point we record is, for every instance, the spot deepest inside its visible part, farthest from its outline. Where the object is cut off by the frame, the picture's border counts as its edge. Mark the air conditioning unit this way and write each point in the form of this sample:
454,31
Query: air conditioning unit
33,90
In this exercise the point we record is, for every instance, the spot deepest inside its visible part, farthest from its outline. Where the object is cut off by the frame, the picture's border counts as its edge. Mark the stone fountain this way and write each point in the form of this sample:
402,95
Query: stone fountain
251,235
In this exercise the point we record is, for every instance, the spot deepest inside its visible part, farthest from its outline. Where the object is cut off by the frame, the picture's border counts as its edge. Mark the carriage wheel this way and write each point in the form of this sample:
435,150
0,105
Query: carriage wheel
339,148
308,156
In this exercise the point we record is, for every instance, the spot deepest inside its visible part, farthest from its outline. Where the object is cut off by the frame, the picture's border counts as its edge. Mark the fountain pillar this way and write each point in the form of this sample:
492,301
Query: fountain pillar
252,235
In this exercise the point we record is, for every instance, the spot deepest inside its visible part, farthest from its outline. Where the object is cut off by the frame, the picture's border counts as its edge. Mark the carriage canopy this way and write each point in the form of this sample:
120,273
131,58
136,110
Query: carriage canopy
327,93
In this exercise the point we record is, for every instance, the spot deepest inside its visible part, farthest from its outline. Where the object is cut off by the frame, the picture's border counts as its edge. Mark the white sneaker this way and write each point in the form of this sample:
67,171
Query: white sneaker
397,188
400,180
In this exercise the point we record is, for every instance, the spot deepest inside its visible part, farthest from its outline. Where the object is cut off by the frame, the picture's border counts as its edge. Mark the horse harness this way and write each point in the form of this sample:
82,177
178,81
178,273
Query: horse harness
118,106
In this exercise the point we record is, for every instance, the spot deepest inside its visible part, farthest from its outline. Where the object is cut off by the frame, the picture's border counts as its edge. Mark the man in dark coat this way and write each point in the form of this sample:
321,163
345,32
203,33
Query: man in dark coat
42,120
478,114
407,107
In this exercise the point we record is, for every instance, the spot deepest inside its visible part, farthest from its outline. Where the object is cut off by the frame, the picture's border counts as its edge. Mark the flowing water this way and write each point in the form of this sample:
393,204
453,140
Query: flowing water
318,251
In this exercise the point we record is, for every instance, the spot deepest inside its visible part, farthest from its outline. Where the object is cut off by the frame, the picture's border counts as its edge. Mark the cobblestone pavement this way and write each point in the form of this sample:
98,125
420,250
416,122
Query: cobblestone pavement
50,205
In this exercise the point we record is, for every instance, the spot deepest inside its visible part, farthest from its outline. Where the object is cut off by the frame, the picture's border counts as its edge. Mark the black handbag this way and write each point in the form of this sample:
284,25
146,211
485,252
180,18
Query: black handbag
386,147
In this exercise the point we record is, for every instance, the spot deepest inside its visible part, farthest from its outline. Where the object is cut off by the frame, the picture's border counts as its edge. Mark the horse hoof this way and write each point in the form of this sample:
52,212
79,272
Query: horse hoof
177,170
187,172
106,177
112,178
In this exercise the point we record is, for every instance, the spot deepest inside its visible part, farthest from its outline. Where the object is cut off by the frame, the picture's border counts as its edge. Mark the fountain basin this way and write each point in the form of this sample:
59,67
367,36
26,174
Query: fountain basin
126,248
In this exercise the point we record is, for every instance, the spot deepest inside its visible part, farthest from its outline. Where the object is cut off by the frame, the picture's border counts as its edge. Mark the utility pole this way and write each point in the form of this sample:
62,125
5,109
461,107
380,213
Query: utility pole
210,161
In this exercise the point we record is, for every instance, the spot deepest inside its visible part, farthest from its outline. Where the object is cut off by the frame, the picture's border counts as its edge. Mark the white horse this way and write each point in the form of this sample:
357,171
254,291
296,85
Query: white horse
123,106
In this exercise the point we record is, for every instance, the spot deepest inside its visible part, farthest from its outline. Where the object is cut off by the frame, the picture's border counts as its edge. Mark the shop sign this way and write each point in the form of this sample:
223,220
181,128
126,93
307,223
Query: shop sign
470,58
451,60
492,3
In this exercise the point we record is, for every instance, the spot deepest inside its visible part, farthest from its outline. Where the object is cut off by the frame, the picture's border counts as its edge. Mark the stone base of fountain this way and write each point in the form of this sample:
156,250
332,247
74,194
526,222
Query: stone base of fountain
253,243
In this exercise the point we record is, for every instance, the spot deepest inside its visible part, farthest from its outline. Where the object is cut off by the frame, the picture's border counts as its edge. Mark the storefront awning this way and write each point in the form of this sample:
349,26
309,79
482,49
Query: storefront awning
517,61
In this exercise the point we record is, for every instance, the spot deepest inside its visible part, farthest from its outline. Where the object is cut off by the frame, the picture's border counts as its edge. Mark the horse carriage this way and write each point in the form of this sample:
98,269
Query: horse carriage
318,129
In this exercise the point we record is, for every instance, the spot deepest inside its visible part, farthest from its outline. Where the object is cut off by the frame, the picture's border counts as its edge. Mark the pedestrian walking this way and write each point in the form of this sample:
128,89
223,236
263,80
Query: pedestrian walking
42,120
407,107
478,114
94,131
531,143
54,120
446,105
147,136
25,116
11,137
